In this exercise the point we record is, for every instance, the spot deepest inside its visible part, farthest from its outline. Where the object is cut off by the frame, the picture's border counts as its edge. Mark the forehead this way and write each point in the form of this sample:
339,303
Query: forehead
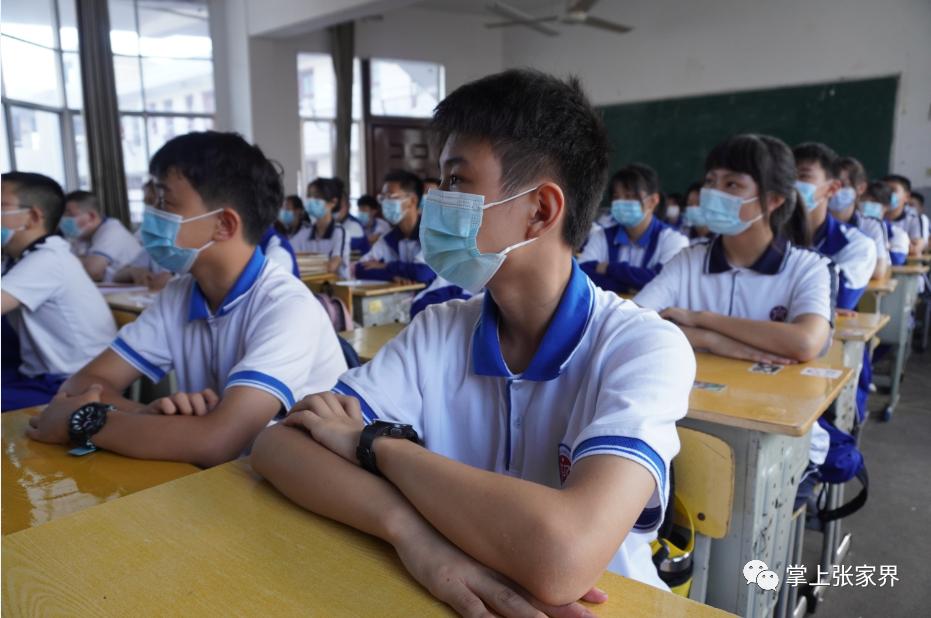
391,187
809,165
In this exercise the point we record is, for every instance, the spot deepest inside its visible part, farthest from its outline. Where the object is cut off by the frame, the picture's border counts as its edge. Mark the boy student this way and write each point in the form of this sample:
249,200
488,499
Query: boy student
851,175
851,250
102,243
245,338
59,317
901,216
546,406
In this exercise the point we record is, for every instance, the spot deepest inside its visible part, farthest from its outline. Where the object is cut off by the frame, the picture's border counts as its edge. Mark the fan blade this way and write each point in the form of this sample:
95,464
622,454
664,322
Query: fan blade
510,12
581,6
605,25
521,22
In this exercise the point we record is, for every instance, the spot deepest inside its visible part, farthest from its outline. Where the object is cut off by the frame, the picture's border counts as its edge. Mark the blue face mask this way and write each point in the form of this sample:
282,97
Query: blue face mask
159,233
628,213
448,231
69,227
363,217
286,216
315,207
8,232
843,199
694,217
872,209
722,212
807,190
393,210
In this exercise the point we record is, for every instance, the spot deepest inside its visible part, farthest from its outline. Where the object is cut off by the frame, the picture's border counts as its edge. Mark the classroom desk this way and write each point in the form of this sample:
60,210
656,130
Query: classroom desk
854,333
315,281
42,482
876,290
222,543
373,303
919,259
130,302
766,419
367,341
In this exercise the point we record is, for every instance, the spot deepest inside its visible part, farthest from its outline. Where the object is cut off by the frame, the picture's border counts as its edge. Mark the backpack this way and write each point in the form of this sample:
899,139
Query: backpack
337,311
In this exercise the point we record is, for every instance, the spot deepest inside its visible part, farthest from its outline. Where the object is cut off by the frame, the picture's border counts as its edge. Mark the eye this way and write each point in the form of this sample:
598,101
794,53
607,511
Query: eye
454,179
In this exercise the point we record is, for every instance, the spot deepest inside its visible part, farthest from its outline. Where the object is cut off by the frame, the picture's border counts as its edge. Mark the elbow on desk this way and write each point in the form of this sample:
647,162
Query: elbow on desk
809,348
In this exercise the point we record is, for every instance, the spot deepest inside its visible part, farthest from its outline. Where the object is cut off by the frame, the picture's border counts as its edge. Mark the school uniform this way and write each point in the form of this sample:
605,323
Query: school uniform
375,226
631,264
852,252
357,239
439,291
269,333
112,241
592,388
62,322
278,249
402,257
910,223
875,231
300,237
333,242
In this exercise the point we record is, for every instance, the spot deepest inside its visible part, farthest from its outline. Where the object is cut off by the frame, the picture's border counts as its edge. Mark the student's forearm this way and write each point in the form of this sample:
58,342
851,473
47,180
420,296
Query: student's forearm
333,264
373,273
785,339
413,271
111,394
882,268
95,266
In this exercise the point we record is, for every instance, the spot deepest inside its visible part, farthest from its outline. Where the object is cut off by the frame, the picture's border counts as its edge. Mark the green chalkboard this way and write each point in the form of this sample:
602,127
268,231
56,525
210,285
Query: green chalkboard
674,135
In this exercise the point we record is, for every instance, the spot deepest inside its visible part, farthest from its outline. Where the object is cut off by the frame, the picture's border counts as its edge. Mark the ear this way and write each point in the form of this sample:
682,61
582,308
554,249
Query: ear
548,209
774,201
650,202
36,217
833,187
860,187
228,224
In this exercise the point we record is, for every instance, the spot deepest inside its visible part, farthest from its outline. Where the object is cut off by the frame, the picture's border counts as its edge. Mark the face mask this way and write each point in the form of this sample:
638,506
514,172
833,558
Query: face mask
448,231
843,199
807,190
628,213
722,212
872,209
159,233
895,200
393,210
69,227
286,216
315,207
694,217
363,217
7,233
672,213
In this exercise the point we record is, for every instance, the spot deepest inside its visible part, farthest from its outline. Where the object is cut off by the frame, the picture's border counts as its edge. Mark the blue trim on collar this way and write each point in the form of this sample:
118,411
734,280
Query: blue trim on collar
558,344
769,263
621,237
830,238
198,308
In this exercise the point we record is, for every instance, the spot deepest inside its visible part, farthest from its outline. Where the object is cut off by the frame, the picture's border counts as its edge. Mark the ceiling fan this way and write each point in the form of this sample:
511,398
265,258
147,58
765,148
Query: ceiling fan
577,13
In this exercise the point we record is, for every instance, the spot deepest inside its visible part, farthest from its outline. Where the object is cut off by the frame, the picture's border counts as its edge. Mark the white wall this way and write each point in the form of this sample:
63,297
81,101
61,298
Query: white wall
693,48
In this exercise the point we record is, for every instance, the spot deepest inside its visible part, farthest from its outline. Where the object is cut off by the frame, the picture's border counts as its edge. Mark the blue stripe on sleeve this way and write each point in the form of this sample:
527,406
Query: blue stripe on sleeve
137,360
265,382
631,446
367,412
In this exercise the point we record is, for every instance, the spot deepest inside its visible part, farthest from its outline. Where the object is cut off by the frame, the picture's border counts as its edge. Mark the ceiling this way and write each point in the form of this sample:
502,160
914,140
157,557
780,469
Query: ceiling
477,7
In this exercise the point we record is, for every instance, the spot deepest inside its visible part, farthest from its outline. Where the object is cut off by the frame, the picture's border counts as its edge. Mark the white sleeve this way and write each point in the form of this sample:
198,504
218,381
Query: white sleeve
339,247
898,241
813,289
667,287
115,243
143,343
925,225
670,245
278,254
380,252
596,248
637,406
857,260
35,279
382,227
875,231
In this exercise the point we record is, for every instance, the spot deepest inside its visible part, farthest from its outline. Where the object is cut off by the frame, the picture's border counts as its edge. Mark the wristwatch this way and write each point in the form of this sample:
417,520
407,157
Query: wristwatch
381,429
84,423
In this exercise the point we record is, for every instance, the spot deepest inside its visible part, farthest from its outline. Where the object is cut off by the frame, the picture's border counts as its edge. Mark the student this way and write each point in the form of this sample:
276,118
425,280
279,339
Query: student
103,245
901,216
851,250
672,214
397,256
277,248
56,312
143,270
917,204
627,255
851,175
430,183
294,222
353,226
875,202
372,220
694,225
243,336
753,293
544,419
327,236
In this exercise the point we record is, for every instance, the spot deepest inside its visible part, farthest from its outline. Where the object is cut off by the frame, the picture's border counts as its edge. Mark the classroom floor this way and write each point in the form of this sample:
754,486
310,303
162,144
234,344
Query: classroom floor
893,526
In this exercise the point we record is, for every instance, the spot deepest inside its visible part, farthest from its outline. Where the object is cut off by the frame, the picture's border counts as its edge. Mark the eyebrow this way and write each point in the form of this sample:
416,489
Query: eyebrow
455,161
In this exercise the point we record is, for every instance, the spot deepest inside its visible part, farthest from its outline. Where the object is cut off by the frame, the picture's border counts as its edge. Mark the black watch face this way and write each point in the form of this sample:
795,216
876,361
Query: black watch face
86,421
398,431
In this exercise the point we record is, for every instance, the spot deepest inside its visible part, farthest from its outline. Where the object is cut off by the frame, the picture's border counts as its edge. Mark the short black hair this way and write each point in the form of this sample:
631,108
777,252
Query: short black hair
225,169
368,200
695,186
879,191
855,170
38,191
329,189
85,200
296,202
409,182
919,197
432,180
678,198
536,125
819,153
902,180
637,177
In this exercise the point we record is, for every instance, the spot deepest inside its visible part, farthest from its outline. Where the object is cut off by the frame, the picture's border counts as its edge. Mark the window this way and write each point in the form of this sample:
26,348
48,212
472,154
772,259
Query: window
316,81
163,65
406,87
42,123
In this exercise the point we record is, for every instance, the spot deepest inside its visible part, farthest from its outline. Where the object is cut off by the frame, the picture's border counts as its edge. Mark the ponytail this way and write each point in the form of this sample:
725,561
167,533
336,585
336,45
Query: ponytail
791,221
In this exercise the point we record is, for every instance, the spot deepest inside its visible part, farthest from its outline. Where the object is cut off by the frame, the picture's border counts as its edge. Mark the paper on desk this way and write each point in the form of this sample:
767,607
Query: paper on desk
115,288
821,372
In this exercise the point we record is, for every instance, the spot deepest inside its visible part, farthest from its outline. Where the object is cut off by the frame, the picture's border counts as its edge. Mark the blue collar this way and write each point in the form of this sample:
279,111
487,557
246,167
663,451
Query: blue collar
395,236
830,238
329,231
199,310
769,263
562,337
621,238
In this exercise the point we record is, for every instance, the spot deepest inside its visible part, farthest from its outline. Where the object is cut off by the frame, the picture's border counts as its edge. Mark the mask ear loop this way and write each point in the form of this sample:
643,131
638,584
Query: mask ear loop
513,197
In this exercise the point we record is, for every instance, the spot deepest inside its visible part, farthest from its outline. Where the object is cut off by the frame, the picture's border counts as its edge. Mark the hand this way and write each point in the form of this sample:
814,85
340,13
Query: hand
471,588
156,281
682,317
723,345
371,264
602,268
138,275
335,421
185,404
846,313
402,281
51,425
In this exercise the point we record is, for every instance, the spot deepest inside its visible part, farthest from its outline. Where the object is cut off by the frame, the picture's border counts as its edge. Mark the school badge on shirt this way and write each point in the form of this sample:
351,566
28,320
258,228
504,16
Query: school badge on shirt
565,463
778,313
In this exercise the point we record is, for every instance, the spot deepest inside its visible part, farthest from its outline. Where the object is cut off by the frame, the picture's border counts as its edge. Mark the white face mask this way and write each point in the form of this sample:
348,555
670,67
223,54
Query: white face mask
672,213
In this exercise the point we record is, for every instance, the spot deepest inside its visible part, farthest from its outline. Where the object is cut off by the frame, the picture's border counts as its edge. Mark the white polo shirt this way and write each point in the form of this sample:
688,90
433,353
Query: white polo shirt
910,223
334,242
784,283
63,321
875,231
270,333
112,241
403,257
852,252
594,387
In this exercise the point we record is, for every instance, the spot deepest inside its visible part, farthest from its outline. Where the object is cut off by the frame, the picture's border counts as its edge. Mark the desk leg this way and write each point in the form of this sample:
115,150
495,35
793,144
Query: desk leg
898,334
767,468
846,404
